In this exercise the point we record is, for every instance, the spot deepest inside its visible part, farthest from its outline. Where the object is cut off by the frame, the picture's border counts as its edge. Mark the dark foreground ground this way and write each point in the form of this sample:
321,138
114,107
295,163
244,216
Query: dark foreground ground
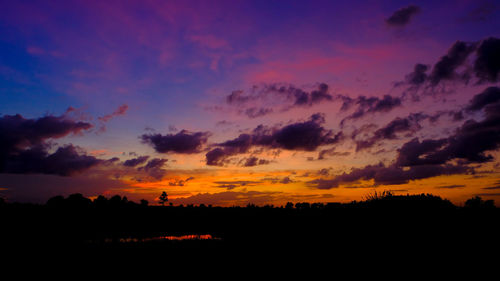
388,227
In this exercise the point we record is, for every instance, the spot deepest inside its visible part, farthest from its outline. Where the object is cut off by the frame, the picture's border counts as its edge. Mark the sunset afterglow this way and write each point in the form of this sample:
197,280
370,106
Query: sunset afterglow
230,103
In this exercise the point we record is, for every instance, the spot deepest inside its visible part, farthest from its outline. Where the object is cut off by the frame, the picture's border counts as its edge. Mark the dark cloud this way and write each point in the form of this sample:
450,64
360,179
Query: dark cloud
445,68
305,136
65,161
454,115
402,16
276,180
241,144
298,96
180,182
237,97
229,185
182,142
410,154
324,172
418,76
453,186
365,105
408,125
463,62
18,132
217,156
470,142
331,152
364,130
139,169
487,64
240,183
429,158
322,153
457,115
286,180
492,187
154,168
389,175
262,100
155,163
111,160
374,104
254,161
24,146
136,161
255,112
488,96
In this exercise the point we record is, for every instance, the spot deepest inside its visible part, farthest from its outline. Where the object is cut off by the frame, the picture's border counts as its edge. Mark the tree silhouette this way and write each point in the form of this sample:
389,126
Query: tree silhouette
100,201
163,198
478,202
56,201
77,200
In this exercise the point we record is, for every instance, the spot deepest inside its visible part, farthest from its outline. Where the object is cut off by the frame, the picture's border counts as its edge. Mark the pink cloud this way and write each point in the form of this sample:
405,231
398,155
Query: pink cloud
119,111
99,152
304,69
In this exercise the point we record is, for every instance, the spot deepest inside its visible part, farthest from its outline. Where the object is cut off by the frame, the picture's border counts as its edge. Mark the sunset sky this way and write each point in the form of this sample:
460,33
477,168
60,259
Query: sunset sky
236,102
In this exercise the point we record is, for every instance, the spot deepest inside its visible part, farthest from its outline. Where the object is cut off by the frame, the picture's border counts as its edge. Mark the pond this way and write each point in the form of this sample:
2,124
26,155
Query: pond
162,238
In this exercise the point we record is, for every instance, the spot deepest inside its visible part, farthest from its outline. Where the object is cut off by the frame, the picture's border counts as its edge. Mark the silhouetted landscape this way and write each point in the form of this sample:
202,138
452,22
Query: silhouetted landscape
268,123
381,222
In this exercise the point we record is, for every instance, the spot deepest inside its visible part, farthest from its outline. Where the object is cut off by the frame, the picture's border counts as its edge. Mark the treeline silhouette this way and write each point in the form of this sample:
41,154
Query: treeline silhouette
380,222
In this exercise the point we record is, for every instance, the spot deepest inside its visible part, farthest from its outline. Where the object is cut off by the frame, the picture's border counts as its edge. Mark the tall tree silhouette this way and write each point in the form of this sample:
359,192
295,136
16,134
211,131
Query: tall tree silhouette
163,198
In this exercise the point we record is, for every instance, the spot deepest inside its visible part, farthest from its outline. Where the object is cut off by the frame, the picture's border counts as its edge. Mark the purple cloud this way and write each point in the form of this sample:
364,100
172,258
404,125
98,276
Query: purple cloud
183,142
305,136
403,16
24,146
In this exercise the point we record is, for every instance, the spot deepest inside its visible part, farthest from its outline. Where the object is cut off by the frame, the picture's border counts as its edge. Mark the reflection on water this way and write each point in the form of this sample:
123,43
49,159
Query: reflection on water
166,237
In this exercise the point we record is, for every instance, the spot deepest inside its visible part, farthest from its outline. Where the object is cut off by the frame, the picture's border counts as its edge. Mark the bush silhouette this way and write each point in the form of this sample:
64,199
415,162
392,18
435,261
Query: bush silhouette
387,199
478,203
56,201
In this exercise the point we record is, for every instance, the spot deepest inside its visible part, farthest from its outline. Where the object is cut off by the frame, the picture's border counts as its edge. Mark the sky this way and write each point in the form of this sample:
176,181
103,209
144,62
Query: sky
236,102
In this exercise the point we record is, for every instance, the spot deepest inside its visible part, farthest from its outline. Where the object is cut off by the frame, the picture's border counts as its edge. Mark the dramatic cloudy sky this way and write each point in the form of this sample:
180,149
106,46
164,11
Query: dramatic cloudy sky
236,102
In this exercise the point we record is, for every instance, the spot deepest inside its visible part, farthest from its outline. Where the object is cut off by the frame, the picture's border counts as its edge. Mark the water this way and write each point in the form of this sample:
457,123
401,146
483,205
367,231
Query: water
160,238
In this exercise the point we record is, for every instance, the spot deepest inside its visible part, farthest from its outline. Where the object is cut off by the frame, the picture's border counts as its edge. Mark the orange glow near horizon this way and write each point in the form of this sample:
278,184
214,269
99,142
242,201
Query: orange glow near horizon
246,102
269,191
